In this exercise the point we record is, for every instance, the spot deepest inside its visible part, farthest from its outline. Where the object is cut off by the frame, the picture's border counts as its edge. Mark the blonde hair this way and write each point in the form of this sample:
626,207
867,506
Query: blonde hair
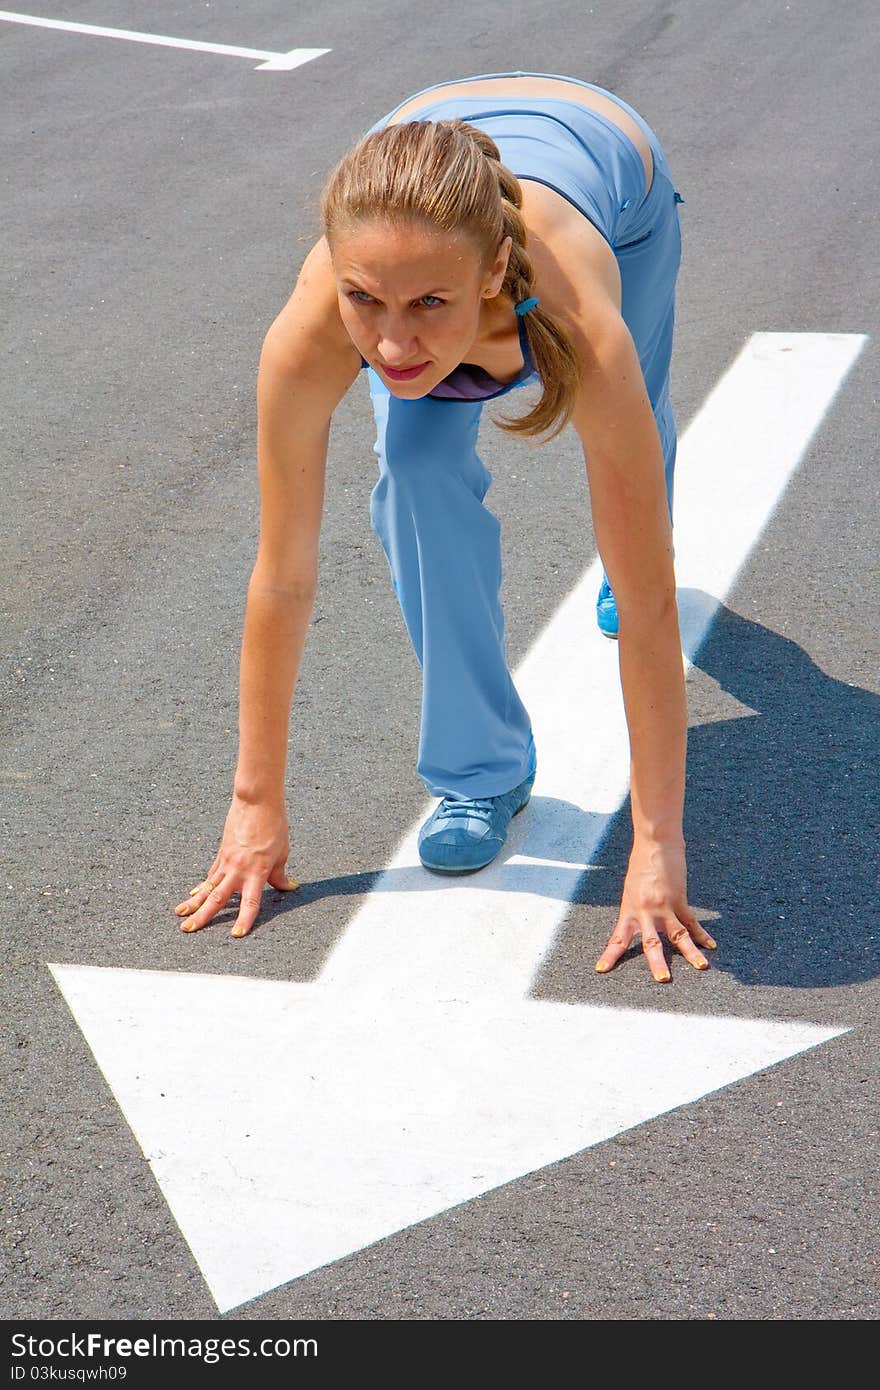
450,175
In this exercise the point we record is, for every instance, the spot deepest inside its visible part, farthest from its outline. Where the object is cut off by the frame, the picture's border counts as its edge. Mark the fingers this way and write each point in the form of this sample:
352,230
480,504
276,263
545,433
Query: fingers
619,942
700,935
252,894
680,938
652,947
279,878
251,897
209,903
213,876
621,939
197,895
683,938
213,893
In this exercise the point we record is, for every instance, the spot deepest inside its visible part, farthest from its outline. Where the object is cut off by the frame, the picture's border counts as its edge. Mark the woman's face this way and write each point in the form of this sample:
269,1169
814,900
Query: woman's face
411,297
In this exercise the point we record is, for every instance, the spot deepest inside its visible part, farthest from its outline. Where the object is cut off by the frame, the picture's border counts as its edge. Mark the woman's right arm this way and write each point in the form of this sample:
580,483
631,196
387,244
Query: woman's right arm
307,364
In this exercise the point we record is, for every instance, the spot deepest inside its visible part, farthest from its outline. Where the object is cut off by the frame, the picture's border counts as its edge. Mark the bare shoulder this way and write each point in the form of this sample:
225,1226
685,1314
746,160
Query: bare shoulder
309,332
576,272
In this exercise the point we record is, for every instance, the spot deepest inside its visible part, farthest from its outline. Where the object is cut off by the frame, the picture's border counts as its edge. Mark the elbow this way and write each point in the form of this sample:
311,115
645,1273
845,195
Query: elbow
648,613
286,586
644,592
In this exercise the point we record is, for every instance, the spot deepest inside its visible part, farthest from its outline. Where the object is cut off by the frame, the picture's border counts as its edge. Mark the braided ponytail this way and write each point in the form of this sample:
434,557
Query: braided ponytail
450,174
552,349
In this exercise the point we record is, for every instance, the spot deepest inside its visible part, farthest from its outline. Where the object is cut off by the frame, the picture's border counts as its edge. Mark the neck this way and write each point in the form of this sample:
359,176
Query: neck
497,321
496,347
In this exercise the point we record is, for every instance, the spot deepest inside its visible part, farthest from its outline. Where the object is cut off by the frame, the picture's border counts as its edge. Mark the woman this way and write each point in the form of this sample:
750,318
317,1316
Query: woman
506,228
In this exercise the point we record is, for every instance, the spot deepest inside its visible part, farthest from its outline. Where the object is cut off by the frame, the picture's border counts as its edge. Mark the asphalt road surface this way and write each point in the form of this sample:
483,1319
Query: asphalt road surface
158,202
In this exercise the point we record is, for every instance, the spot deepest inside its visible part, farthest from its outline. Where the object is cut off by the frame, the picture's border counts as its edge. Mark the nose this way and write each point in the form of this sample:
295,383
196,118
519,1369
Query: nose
398,347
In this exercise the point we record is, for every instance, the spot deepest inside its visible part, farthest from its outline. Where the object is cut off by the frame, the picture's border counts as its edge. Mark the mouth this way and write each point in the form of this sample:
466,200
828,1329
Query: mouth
407,374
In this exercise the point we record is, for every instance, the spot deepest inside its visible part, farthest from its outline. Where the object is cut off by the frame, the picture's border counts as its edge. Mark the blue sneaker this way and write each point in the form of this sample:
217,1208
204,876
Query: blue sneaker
461,836
606,610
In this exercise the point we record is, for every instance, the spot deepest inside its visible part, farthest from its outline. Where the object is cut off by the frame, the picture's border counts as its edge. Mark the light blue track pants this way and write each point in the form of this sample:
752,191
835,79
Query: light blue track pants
443,545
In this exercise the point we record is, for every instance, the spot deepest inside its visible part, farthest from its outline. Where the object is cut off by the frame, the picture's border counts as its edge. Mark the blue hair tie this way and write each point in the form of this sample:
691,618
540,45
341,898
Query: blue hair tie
525,305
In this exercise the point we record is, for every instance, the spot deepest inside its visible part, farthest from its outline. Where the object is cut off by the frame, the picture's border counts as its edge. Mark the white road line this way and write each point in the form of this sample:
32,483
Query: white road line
289,1124
270,61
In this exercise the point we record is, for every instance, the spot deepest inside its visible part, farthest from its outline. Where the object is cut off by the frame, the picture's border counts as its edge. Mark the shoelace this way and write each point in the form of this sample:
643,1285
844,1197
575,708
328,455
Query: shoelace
484,807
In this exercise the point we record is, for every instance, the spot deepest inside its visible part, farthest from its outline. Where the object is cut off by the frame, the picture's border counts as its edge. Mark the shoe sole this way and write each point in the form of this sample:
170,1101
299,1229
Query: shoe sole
474,868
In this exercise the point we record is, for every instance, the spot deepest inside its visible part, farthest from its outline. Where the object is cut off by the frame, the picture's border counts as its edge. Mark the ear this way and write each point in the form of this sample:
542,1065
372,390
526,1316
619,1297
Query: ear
494,278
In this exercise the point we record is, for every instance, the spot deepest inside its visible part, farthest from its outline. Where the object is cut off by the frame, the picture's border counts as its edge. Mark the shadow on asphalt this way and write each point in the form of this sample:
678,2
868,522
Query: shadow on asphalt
782,817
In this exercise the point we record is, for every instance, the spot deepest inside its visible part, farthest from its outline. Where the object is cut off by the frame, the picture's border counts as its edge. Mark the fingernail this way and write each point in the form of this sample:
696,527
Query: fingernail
664,979
192,892
601,969
292,883
713,945
236,931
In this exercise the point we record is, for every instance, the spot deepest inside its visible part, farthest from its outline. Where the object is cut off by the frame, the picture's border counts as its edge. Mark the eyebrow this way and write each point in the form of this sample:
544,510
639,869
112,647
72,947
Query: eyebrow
346,280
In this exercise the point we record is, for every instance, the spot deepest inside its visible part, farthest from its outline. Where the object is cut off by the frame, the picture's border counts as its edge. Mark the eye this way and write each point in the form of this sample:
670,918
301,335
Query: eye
363,299
431,296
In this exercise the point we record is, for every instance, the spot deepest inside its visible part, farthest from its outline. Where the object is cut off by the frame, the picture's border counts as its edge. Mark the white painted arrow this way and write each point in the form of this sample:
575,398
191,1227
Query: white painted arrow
271,62
289,1125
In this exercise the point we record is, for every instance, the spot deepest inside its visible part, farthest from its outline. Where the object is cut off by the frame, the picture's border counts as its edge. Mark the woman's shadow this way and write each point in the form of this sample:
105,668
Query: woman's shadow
782,816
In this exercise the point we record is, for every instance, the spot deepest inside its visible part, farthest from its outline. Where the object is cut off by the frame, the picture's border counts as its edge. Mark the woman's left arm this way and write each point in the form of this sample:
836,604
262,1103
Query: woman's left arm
578,279
624,464
625,467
